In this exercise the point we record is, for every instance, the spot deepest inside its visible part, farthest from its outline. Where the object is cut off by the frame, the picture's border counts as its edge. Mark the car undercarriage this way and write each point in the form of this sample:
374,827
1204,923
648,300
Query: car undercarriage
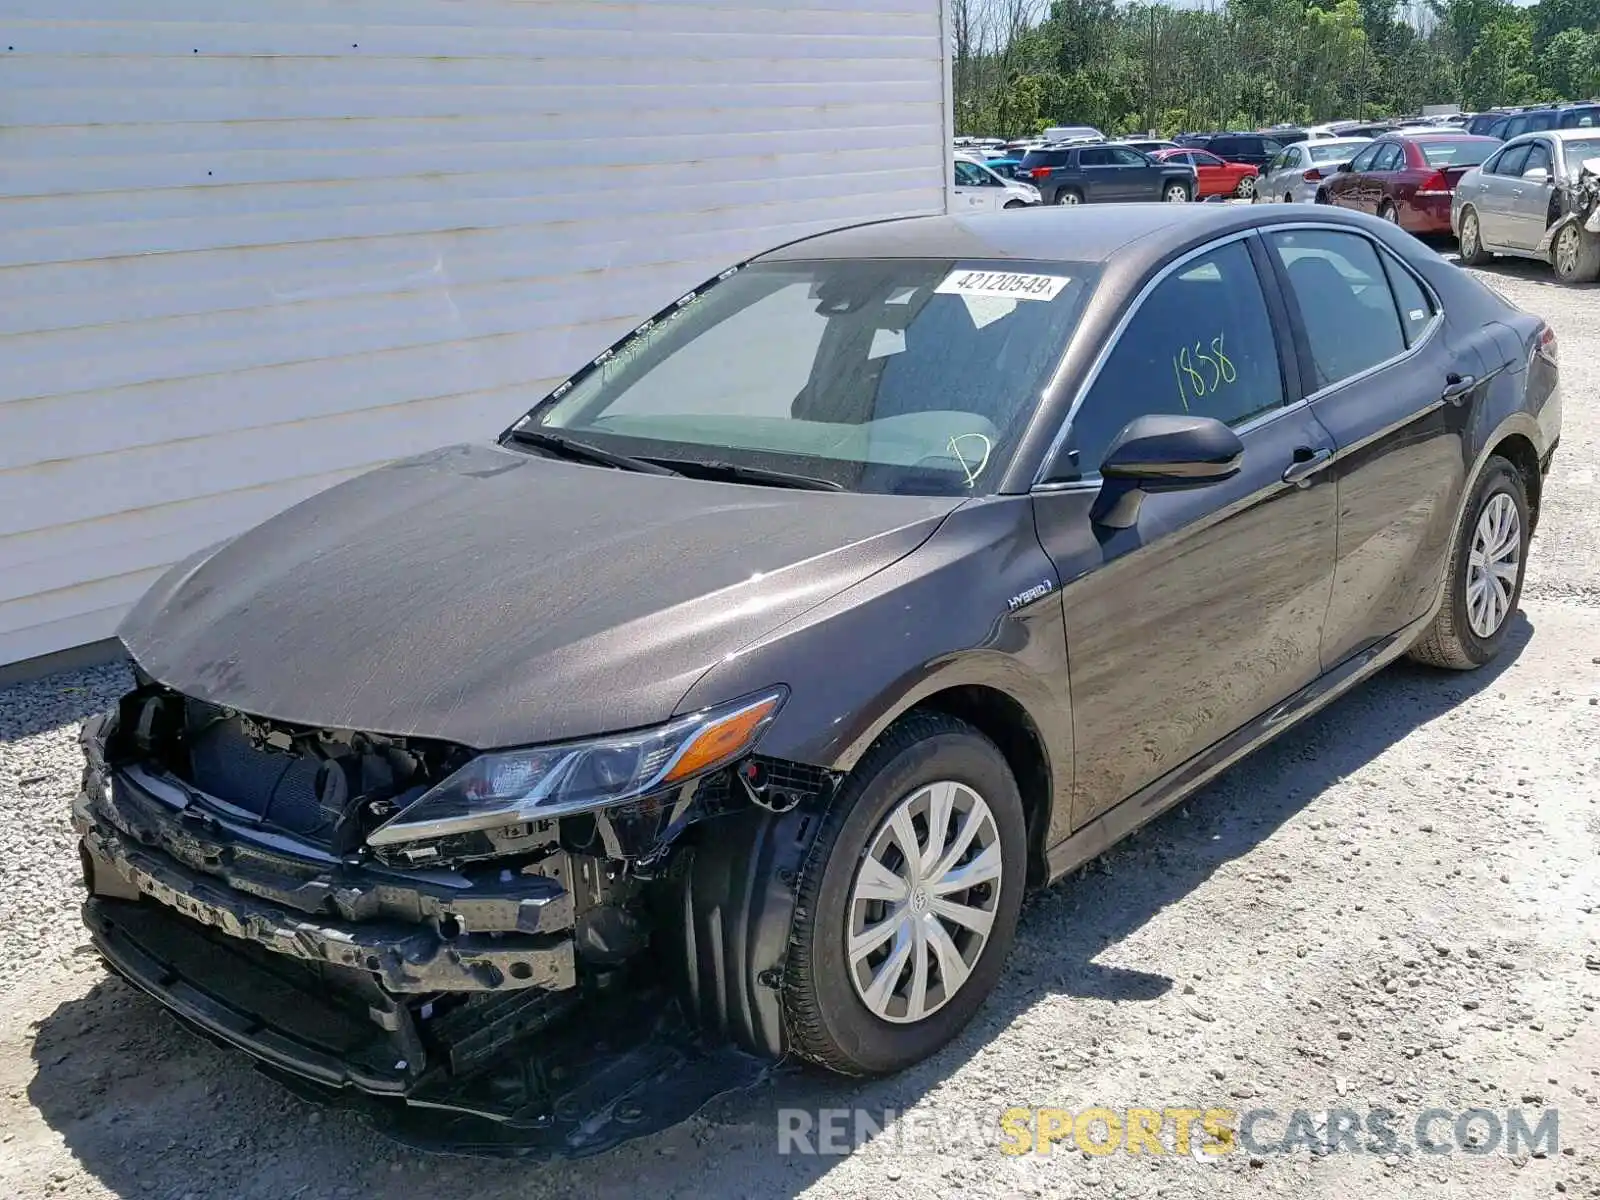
549,987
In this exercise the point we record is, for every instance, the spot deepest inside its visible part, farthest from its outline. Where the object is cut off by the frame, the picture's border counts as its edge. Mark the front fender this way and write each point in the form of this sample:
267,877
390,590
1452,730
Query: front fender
977,606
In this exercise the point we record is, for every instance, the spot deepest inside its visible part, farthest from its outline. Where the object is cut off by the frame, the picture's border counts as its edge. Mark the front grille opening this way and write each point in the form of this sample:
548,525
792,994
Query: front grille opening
325,786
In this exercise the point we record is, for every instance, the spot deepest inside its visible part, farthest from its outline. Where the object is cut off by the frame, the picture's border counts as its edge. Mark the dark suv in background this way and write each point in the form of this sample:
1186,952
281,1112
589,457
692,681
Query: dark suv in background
1090,174
1253,148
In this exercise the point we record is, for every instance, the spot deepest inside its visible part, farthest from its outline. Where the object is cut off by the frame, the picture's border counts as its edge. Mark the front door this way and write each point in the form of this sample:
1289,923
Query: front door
1498,181
1377,367
1208,610
1528,213
1344,187
973,193
1139,177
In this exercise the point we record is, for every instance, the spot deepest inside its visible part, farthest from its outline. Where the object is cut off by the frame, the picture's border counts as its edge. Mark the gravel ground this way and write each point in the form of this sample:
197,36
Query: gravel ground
1396,905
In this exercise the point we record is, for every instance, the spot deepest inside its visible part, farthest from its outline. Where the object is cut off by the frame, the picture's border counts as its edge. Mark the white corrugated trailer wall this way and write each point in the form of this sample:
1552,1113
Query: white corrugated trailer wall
247,251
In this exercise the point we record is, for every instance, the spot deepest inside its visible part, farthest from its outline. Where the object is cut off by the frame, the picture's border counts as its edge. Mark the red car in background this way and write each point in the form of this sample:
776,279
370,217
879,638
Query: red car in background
1407,178
1217,176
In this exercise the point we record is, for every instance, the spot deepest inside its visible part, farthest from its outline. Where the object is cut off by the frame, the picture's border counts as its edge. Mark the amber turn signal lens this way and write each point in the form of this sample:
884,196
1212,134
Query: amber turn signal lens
723,741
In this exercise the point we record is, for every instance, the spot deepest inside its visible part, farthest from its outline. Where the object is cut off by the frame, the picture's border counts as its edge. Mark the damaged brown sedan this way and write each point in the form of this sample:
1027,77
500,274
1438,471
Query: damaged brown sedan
529,794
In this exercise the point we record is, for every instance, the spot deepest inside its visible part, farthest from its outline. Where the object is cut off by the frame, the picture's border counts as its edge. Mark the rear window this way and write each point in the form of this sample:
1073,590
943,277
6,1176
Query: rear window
1322,152
1045,158
1456,154
1580,118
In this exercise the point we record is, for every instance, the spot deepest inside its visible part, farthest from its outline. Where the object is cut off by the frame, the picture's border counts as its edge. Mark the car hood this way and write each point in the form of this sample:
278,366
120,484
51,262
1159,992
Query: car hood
494,598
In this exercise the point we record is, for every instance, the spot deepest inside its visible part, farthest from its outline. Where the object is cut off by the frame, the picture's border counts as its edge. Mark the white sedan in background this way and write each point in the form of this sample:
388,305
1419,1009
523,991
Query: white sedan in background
978,189
1294,173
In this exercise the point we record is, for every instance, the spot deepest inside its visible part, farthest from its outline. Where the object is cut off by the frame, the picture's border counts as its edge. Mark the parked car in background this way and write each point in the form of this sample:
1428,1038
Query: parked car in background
1213,176
1006,167
1073,133
1295,174
1517,201
1407,179
1147,145
1253,148
978,189
1488,124
1096,173
1286,135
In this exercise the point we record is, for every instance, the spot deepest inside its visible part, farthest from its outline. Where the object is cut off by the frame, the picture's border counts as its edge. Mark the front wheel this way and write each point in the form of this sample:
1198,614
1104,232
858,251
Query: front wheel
908,902
1246,189
1176,193
1015,204
1484,583
1575,255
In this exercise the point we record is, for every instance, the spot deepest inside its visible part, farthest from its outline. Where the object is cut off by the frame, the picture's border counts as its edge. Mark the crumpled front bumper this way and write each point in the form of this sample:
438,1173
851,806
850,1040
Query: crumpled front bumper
446,1010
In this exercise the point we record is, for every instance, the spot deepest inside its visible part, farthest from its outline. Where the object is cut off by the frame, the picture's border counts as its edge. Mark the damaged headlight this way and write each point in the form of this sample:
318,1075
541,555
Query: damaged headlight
541,782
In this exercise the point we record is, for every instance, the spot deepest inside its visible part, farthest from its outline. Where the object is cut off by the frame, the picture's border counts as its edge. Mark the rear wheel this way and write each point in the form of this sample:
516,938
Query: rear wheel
1176,193
1575,255
1389,213
1069,196
1484,583
908,903
1470,240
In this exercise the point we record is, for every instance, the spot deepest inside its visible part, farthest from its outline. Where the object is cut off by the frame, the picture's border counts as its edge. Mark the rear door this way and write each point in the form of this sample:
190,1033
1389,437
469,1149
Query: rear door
1376,353
1208,610
1101,176
1343,187
1378,179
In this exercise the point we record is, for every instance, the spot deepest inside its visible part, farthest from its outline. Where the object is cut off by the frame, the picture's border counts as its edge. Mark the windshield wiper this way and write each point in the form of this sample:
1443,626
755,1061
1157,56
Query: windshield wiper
739,473
587,451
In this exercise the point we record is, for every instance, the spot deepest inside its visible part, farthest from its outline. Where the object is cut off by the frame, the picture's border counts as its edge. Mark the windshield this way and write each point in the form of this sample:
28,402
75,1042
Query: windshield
1578,149
908,376
1457,154
1322,152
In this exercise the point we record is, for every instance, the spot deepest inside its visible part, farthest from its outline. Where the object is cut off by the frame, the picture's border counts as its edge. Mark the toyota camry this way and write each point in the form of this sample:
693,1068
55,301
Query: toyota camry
721,710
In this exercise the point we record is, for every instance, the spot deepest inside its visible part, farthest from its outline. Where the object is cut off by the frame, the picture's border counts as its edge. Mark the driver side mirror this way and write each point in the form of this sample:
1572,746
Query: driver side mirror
1162,453
1344,166
1537,175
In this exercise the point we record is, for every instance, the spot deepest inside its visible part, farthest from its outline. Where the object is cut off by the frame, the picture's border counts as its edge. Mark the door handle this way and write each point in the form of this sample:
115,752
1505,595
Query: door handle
1300,471
1457,388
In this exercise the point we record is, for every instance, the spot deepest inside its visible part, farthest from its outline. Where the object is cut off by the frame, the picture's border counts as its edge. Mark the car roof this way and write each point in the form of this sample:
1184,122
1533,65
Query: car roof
1435,136
1090,233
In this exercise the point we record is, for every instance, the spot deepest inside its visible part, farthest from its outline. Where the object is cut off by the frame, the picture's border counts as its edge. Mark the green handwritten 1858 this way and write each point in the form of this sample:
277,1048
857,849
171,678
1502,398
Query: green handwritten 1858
1199,374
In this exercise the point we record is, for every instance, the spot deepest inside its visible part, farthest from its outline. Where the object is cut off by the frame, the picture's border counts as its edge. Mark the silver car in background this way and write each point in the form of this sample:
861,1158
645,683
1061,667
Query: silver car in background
1293,174
1533,199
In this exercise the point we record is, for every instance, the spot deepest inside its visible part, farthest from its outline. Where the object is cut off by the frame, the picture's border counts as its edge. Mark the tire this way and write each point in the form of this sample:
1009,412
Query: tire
1389,213
1470,241
1015,204
824,997
1459,638
1246,188
1069,196
1322,198
1288,197
1575,255
1176,193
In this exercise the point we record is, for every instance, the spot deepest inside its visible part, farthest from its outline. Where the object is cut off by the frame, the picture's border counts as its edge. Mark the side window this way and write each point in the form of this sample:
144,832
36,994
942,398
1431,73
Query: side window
1290,157
1339,286
1415,305
1124,157
1538,156
1098,156
1203,159
1201,342
1363,161
1390,158
1512,160
968,174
